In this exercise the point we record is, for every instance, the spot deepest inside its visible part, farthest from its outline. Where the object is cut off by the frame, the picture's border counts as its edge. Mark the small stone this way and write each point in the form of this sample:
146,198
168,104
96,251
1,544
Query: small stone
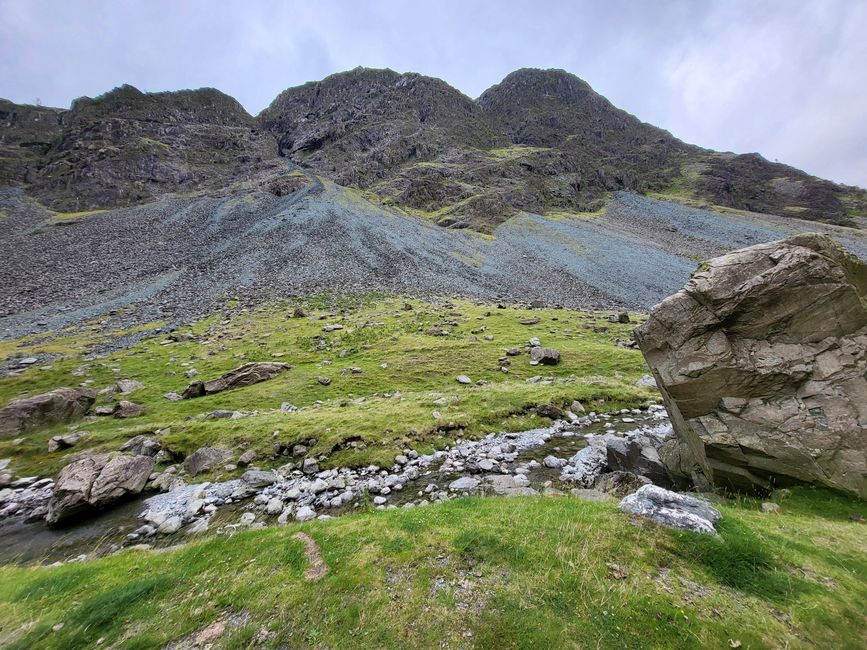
246,458
325,381
463,379
770,508
305,513
170,525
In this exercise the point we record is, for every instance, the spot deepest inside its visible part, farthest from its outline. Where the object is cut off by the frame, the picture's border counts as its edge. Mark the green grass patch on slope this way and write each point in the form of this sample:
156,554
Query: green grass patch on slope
392,380
536,572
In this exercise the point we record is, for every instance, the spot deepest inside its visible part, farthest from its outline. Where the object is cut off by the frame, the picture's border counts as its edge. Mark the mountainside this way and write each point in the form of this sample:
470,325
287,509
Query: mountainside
541,141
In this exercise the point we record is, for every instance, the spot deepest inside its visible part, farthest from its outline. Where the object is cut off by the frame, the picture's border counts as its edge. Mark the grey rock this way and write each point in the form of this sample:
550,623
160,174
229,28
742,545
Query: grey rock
762,362
204,459
672,509
127,386
305,513
62,405
463,379
464,484
545,356
127,409
94,481
246,375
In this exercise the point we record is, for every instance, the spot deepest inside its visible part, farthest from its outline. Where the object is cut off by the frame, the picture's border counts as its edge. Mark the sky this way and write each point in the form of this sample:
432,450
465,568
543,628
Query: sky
785,78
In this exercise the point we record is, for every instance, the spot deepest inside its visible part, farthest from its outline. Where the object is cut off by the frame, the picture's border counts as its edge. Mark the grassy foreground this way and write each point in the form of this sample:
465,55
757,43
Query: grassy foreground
542,572
392,373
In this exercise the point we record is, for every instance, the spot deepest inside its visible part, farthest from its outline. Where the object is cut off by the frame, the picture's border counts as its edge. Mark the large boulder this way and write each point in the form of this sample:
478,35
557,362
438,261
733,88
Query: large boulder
246,375
762,362
94,481
59,406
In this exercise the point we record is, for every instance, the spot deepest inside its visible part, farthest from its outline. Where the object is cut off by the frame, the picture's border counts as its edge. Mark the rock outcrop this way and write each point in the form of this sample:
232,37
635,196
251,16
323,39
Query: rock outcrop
246,375
94,481
58,406
762,361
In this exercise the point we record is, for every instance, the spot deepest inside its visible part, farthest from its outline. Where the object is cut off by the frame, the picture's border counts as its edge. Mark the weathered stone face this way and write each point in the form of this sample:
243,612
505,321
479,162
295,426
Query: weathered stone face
246,375
58,406
96,480
762,361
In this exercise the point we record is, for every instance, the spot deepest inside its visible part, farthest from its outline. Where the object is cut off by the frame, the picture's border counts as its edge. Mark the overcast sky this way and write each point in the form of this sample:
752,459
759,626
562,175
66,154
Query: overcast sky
785,78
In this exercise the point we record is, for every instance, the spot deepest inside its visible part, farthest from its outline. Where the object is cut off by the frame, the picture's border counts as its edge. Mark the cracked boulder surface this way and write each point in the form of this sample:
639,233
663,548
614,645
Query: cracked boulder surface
762,360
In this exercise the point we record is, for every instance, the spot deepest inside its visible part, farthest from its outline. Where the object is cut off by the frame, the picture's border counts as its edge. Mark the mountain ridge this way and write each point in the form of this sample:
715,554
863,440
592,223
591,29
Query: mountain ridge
540,141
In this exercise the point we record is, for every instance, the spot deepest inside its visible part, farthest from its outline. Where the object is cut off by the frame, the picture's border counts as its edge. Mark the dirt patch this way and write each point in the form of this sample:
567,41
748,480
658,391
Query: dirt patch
317,567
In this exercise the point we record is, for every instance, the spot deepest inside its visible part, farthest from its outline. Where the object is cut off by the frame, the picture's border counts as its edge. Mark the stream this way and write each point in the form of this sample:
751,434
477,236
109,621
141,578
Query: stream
105,532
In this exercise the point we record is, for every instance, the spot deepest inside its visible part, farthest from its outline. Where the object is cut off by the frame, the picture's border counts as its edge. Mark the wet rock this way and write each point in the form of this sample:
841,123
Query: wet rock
553,462
204,459
545,356
586,466
96,480
58,406
246,375
672,509
762,361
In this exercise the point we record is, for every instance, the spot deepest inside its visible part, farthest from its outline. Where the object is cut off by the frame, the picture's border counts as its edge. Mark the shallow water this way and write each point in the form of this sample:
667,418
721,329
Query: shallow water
36,543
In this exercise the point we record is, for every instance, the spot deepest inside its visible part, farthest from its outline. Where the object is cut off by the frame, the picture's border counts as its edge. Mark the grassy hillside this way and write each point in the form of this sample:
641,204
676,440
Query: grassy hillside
541,572
390,369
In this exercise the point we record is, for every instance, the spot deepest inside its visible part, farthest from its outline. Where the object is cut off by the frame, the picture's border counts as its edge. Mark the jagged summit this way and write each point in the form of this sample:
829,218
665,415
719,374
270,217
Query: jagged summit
539,141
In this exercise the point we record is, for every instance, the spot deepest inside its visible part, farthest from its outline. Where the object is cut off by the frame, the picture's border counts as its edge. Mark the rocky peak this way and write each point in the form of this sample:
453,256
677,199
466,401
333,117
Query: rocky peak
361,125
546,107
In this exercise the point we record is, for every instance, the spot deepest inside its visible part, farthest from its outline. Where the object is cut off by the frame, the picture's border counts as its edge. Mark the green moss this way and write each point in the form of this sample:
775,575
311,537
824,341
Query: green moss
74,216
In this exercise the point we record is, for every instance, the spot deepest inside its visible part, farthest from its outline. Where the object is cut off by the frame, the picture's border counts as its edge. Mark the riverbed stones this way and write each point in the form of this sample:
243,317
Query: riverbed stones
762,361
464,484
672,509
95,481
246,375
62,405
305,513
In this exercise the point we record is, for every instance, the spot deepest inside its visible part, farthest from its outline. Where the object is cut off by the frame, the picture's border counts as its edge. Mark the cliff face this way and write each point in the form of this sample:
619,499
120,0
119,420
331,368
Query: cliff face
540,141
129,147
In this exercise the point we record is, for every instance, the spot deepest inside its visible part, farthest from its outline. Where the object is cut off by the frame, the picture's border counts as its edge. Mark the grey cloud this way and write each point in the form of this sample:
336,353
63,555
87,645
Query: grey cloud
782,78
